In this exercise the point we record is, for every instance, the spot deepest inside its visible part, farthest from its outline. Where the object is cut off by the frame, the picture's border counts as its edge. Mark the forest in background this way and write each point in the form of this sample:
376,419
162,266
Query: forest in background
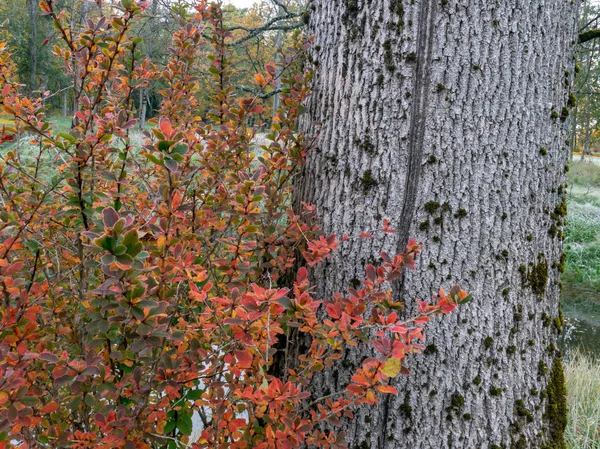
256,36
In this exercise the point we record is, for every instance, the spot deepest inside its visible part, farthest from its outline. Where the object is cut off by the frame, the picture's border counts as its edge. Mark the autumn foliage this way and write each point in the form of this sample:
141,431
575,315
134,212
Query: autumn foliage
142,285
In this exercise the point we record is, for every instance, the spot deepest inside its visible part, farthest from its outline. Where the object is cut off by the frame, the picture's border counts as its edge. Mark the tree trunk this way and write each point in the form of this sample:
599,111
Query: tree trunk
143,103
32,9
145,91
449,120
65,103
573,131
588,105
278,47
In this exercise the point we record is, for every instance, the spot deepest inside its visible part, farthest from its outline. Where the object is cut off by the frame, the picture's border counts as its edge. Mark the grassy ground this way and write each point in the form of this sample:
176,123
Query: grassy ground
582,375
28,152
581,304
581,279
60,124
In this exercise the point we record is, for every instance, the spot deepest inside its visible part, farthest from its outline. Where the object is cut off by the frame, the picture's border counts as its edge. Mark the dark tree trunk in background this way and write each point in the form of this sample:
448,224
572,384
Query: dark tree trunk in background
145,91
278,47
449,119
32,9
65,103
588,105
573,132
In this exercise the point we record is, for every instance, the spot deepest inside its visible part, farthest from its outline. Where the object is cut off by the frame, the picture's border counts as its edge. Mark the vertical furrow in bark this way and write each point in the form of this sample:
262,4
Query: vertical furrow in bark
416,136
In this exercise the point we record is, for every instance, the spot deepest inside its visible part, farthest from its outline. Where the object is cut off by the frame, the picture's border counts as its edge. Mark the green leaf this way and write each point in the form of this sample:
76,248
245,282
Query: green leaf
33,245
105,242
68,137
120,249
154,159
184,424
467,300
130,238
119,226
164,145
125,259
194,395
180,149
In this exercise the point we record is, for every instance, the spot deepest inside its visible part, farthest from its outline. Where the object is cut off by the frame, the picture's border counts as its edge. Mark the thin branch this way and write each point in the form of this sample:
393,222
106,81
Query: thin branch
58,91
283,7
264,96
589,35
583,27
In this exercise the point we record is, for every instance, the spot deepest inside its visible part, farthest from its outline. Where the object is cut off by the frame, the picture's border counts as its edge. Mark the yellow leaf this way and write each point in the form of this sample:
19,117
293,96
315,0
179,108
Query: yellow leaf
392,367
160,243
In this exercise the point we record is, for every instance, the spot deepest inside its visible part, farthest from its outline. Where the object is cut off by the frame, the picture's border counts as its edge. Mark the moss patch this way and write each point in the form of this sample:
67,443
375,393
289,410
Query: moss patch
536,277
461,213
388,56
367,181
431,207
556,407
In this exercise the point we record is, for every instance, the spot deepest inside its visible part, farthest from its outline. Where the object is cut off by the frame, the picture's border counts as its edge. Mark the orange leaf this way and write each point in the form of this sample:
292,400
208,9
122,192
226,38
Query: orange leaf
387,389
49,408
244,359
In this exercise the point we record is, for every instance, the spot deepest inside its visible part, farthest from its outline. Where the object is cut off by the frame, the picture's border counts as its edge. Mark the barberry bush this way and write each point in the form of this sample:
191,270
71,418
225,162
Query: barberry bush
143,285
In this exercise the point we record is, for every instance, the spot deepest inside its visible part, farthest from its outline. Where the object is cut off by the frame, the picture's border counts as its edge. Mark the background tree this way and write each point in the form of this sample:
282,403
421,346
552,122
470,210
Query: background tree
586,93
449,120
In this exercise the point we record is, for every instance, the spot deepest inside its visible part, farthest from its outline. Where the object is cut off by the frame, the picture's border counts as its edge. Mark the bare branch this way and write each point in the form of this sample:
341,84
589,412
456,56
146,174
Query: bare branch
252,33
255,93
283,7
586,25
589,35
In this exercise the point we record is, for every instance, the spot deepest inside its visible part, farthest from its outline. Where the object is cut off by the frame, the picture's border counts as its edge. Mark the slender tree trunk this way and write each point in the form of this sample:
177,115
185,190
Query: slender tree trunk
77,87
573,131
32,9
278,47
143,102
144,91
447,119
588,113
65,103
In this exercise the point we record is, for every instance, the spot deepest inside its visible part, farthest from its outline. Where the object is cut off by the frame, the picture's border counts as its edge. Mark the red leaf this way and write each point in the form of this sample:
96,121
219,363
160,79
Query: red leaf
165,126
371,274
236,424
302,275
49,408
109,217
48,357
244,359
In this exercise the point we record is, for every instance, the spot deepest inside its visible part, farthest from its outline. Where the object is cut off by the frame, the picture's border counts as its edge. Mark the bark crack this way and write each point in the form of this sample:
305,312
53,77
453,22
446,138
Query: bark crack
416,138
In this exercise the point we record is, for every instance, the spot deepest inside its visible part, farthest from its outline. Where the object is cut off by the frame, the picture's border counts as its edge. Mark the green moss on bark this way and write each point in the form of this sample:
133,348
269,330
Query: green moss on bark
536,277
556,407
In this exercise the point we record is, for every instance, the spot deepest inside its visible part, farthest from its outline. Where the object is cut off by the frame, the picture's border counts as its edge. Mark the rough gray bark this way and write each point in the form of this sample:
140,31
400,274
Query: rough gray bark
448,119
